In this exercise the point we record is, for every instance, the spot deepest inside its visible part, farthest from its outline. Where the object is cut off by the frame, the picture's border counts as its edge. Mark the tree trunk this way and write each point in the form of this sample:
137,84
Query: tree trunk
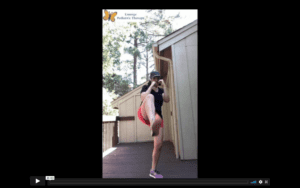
147,77
134,64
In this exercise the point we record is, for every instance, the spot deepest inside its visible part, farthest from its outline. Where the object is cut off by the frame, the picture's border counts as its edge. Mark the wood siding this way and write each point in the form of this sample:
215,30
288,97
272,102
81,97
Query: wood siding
185,70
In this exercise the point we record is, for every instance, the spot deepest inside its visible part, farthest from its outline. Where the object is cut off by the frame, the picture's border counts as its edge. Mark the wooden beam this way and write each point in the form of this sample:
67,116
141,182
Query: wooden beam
124,118
108,122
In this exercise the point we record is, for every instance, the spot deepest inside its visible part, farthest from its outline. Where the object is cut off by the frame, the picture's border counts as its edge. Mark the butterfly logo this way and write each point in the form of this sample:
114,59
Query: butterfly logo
109,16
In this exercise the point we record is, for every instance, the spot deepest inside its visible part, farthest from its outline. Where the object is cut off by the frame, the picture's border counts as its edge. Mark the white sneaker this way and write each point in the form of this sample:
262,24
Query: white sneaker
155,174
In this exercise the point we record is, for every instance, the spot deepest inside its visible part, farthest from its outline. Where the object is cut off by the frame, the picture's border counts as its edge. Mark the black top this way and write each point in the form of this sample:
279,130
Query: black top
158,99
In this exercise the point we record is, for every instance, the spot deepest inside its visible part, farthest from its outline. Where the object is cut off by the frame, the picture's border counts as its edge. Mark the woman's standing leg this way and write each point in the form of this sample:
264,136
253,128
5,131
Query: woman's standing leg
158,141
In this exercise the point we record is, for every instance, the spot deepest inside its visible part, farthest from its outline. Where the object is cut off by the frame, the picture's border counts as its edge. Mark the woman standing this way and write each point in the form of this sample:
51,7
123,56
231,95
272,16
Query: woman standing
150,114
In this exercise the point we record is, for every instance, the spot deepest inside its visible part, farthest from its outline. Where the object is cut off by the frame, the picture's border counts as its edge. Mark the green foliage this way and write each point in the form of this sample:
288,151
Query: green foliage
108,97
155,26
116,84
159,23
134,51
137,40
111,44
113,38
168,31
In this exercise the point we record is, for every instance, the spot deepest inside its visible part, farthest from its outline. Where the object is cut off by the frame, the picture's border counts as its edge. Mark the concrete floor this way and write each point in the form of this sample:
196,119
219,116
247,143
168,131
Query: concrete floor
134,160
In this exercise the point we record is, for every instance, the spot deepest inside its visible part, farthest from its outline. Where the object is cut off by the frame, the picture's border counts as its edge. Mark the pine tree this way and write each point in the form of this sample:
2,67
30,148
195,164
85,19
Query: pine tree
143,35
156,26
113,37
111,43
108,97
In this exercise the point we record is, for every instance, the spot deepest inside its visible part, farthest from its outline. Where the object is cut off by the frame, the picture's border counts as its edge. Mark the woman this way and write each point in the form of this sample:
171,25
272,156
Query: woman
150,114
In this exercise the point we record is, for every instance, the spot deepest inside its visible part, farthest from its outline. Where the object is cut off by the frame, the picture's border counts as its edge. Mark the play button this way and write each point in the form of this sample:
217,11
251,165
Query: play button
37,181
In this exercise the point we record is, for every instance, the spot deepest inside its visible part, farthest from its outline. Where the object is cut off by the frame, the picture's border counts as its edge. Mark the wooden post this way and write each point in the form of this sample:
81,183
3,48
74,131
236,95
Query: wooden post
115,134
115,137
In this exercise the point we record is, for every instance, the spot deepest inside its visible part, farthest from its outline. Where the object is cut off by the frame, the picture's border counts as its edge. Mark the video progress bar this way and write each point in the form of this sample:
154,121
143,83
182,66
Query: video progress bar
97,182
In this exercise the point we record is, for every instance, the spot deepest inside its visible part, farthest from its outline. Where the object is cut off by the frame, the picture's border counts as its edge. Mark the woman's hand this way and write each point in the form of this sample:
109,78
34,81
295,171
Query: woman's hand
161,81
152,83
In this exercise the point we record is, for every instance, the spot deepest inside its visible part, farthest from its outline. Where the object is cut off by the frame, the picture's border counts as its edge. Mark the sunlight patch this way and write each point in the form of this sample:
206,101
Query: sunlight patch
109,151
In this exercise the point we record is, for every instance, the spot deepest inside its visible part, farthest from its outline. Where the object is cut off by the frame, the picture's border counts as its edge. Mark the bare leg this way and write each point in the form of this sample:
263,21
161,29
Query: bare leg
148,109
158,140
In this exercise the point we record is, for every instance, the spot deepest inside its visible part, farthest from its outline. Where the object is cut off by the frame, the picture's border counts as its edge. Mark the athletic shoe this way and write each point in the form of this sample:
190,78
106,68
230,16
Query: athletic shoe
155,174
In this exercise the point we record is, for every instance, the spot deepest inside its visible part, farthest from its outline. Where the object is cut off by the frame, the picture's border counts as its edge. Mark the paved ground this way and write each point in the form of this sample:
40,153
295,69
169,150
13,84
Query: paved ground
134,160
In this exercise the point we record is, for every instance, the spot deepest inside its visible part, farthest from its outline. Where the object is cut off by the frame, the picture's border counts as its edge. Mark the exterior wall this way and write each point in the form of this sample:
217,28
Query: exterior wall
127,128
192,59
185,73
178,36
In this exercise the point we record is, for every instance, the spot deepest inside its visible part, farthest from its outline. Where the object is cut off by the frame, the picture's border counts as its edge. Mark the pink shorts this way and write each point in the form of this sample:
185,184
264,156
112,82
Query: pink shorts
147,122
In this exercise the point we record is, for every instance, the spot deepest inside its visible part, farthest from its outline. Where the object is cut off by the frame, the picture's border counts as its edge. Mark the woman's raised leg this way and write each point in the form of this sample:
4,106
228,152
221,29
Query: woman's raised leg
148,110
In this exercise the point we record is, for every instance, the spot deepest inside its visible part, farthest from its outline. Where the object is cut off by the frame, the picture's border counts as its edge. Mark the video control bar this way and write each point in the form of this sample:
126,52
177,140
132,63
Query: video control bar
196,182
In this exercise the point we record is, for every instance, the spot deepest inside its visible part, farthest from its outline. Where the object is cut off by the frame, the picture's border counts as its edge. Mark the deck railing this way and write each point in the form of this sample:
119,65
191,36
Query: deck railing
110,137
109,134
